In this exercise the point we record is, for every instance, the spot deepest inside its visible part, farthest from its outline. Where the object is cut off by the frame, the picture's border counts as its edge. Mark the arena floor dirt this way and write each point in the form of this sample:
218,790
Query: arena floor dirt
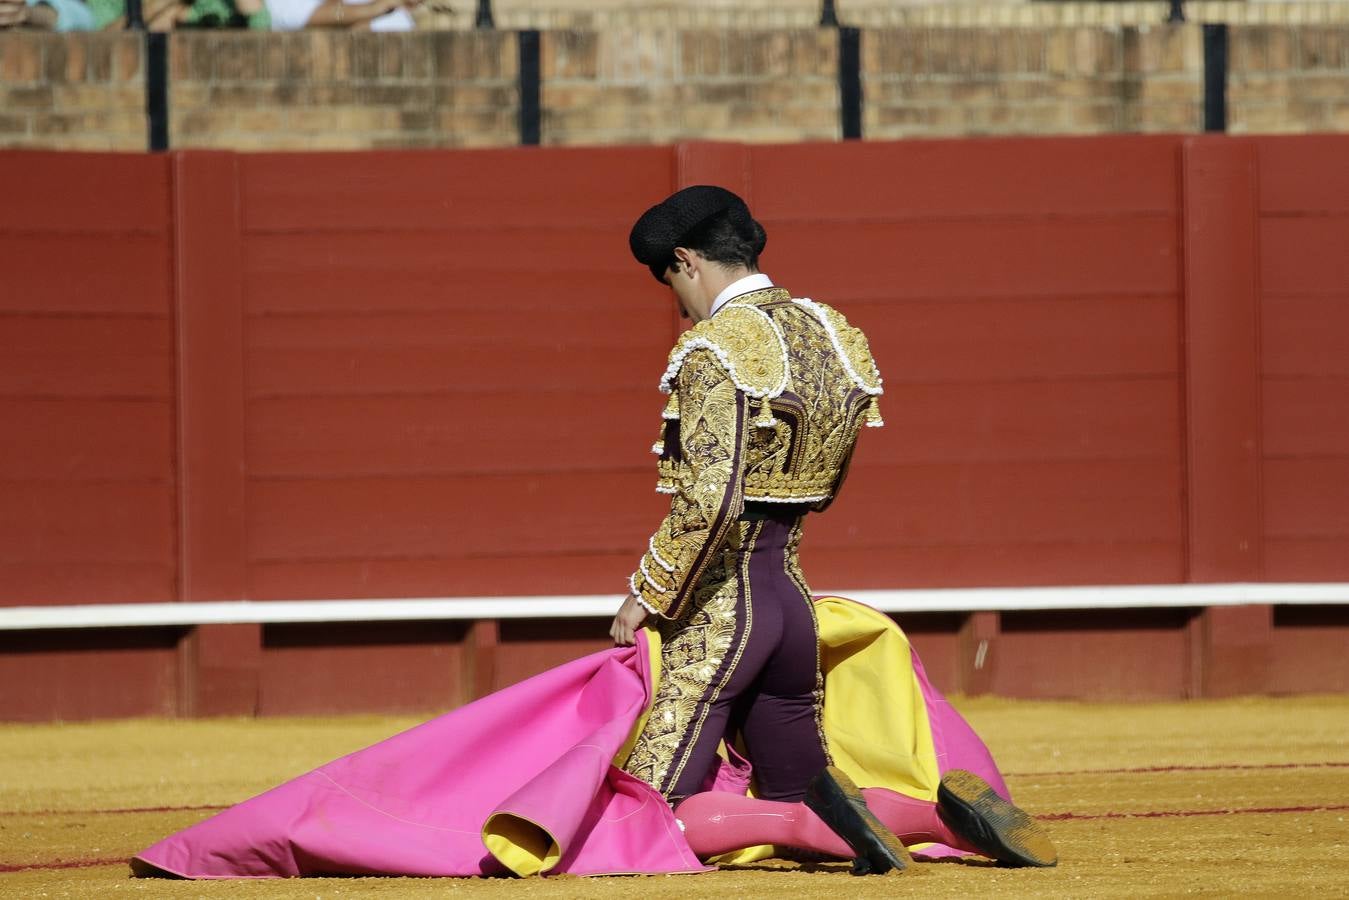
1235,798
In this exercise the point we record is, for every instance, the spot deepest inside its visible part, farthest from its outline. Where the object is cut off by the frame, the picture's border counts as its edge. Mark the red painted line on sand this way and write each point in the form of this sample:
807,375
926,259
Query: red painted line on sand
1046,817
1186,813
109,812
1149,770
1138,770
62,864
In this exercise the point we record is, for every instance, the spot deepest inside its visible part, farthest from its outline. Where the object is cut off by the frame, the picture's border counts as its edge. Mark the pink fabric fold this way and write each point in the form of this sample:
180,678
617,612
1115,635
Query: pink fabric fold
539,751
415,804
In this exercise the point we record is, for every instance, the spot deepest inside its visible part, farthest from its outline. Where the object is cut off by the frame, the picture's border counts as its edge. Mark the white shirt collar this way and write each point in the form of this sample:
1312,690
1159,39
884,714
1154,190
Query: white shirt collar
756,282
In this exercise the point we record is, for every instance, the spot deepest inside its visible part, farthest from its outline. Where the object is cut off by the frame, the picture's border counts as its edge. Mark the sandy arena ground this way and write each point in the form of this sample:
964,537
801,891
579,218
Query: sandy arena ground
1247,797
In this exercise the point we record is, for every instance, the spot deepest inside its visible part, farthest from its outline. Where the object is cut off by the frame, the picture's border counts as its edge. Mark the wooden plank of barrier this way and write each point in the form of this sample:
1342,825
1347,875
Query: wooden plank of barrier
1236,649
219,670
1223,390
481,641
1304,340
1222,362
221,663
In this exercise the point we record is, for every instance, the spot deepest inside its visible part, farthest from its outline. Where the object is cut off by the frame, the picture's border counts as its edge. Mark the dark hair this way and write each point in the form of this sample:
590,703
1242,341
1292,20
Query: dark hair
730,237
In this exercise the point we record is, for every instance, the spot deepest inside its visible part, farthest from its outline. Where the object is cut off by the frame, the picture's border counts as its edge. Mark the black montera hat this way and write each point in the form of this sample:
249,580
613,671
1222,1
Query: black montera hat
662,227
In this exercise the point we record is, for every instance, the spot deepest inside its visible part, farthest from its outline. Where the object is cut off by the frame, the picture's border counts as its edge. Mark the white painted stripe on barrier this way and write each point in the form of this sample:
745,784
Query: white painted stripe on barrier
942,600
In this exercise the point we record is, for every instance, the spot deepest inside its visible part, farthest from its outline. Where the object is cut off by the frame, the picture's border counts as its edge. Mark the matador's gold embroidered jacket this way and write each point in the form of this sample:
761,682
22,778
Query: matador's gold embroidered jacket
767,399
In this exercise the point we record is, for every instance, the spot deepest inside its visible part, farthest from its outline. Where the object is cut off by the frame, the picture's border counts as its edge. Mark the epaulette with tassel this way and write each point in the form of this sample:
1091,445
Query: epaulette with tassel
853,352
749,346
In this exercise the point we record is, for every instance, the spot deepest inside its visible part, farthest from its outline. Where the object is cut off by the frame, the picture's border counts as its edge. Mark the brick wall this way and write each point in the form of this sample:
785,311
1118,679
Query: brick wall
1289,80
316,90
660,86
951,82
657,85
600,15
79,92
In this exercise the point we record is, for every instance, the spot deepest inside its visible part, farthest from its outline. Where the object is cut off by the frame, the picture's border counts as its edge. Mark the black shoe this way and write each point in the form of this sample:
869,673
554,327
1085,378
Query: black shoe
994,826
834,798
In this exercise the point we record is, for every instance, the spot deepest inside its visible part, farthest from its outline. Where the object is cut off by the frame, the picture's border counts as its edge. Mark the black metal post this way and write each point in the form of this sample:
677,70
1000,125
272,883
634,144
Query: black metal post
530,113
1177,12
850,82
157,89
1215,77
135,16
828,15
484,19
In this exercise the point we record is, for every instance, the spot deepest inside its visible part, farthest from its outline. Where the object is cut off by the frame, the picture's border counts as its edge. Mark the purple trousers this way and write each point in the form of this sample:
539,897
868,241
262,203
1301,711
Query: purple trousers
766,690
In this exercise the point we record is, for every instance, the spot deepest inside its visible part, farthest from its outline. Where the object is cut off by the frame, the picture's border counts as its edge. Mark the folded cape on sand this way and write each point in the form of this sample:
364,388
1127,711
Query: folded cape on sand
528,780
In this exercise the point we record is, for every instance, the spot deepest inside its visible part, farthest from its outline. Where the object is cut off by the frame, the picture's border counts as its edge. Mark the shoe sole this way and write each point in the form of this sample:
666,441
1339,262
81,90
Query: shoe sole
836,800
997,828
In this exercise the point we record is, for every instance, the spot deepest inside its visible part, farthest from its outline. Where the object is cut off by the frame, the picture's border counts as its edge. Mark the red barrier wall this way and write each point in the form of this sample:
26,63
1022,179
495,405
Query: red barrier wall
1113,360
1303,230
1026,325
87,445
449,366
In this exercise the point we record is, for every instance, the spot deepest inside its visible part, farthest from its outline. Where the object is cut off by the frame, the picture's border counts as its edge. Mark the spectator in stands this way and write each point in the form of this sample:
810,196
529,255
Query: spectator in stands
376,15
46,15
167,15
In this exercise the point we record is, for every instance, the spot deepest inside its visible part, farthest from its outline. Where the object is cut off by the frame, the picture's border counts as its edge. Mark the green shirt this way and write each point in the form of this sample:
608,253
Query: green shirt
204,14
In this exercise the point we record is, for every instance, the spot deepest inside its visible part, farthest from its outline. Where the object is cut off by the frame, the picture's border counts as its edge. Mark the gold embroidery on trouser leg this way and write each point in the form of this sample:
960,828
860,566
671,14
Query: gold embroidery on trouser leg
702,712
791,563
693,649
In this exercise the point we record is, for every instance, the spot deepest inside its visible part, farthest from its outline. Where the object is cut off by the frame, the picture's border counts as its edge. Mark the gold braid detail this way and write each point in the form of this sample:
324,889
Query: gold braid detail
707,486
746,343
714,691
811,385
693,649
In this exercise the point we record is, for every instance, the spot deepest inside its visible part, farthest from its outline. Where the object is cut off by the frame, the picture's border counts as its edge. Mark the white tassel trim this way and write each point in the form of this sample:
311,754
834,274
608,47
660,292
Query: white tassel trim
702,343
658,448
646,576
651,546
820,314
879,423
663,489
646,606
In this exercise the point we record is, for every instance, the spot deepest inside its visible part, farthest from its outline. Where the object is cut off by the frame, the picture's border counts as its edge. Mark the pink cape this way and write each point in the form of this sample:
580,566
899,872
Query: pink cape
537,754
